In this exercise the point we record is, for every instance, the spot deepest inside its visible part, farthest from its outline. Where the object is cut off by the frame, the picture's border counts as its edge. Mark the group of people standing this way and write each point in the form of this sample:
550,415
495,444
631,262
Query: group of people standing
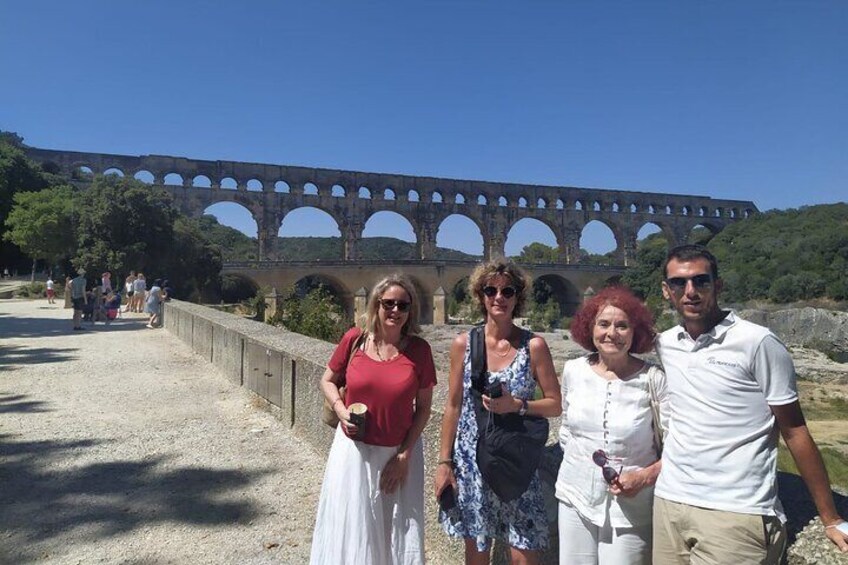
102,301
665,464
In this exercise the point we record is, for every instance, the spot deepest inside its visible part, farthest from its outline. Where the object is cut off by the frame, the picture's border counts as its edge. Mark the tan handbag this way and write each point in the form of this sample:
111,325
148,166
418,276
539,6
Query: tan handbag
328,415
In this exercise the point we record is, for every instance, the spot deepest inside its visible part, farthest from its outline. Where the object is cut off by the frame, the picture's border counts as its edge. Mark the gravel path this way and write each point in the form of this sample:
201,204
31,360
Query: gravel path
118,445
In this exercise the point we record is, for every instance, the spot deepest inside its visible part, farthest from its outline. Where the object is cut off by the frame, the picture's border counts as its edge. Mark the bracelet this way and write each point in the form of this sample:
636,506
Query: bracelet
448,462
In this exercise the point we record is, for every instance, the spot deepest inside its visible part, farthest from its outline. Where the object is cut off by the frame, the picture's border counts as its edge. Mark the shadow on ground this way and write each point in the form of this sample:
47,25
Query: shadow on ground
17,326
12,355
45,495
18,403
798,504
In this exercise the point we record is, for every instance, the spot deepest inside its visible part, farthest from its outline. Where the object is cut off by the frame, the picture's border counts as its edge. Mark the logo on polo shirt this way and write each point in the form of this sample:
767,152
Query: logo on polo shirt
714,361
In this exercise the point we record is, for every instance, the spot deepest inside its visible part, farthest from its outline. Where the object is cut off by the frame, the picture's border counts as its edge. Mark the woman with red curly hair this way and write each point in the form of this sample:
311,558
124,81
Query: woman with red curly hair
611,458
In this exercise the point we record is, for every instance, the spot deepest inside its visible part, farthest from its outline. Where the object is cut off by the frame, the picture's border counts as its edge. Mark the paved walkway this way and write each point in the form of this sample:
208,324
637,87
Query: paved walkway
119,445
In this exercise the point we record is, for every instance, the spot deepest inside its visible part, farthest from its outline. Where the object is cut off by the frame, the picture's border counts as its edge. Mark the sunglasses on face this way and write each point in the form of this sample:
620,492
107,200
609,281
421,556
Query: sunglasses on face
392,304
700,282
601,460
492,291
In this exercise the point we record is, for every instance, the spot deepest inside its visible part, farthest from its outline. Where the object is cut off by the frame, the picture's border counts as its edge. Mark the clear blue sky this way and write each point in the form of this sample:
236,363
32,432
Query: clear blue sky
742,100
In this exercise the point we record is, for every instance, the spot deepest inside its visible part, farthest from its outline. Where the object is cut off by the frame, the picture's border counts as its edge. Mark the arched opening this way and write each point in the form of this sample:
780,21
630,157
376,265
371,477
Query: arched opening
615,207
364,192
437,197
531,241
312,290
651,243
596,206
633,208
482,200
282,186
502,201
310,189
113,171
83,172
597,244
254,185
338,191
668,210
309,234
201,181
687,210
458,237
173,179
461,306
701,234
389,194
522,202
702,211
719,212
541,203
234,225
748,212
413,196
555,297
388,235
229,183
560,205
236,288
578,205
144,176
459,199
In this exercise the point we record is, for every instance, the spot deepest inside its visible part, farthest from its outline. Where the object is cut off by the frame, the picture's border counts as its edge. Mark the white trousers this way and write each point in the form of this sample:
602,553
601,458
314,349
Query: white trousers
583,543
358,524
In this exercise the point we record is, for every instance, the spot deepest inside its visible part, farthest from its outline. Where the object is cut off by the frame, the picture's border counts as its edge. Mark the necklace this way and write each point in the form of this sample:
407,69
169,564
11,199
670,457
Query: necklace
508,348
398,349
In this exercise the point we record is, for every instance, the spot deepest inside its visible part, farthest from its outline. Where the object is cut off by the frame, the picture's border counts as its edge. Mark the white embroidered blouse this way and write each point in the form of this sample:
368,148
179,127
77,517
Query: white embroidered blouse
614,416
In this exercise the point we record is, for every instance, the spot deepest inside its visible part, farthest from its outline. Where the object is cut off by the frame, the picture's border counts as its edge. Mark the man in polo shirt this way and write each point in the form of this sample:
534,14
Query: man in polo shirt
78,297
732,387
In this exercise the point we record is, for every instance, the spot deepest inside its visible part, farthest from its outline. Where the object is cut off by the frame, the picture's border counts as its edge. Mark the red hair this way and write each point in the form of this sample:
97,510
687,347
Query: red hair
621,297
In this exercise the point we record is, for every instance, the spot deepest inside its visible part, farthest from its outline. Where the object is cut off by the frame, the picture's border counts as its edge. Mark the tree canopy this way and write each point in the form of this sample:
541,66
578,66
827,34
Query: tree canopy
40,223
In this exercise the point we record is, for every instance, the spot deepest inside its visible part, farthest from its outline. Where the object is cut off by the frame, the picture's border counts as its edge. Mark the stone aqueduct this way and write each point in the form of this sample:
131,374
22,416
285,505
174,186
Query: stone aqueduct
269,192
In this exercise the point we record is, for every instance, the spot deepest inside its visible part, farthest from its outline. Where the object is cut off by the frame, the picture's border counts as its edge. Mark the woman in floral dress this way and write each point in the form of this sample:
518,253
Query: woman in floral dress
519,361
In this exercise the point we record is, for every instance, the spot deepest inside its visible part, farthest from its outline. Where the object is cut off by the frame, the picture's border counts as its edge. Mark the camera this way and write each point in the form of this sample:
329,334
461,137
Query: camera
494,390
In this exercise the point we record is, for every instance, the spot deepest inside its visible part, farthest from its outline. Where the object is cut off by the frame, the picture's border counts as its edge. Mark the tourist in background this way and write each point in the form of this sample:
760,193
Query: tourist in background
519,360
129,288
106,283
371,509
153,304
51,292
78,297
732,388
610,455
139,292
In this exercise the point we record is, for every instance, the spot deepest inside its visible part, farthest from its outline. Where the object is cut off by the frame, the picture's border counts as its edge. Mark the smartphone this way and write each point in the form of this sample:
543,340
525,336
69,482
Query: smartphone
447,499
494,390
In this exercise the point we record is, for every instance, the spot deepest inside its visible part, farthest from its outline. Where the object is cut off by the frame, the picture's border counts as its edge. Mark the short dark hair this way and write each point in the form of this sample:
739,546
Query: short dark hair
621,297
689,252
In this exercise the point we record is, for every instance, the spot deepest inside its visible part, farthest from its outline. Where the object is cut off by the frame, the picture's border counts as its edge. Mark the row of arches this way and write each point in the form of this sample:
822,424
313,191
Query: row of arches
456,197
456,232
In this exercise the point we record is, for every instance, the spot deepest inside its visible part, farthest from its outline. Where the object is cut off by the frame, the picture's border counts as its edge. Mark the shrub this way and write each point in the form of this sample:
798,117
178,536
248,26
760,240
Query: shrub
315,314
32,290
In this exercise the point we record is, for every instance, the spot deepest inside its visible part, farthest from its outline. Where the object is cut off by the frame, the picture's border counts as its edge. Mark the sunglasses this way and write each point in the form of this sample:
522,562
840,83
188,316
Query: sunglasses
601,460
506,292
392,304
701,282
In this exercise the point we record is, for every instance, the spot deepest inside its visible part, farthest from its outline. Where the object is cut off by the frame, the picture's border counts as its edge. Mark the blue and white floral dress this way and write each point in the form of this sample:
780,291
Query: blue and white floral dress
479,513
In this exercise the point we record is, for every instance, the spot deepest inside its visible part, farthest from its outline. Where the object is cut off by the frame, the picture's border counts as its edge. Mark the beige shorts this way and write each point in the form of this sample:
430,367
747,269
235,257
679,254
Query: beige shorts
685,534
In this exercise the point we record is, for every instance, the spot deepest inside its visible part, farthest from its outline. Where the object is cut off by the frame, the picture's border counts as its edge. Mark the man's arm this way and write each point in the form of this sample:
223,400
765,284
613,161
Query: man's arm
793,428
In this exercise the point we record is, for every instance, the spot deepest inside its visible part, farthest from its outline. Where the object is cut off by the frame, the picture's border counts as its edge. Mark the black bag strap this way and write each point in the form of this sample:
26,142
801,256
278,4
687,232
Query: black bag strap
479,367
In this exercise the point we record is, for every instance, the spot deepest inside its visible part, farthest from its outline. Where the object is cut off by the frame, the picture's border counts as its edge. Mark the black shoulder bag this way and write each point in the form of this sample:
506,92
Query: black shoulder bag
509,446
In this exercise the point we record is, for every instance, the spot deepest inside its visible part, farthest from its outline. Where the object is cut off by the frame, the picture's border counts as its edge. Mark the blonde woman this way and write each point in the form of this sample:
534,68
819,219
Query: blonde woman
372,499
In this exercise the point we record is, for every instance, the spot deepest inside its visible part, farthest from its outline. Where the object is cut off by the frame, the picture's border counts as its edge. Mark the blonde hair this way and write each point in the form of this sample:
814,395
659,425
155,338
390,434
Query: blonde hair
484,272
372,320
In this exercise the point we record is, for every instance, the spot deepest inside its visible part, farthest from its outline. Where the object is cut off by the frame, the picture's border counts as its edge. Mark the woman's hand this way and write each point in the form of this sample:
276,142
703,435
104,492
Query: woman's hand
630,483
504,404
394,473
444,478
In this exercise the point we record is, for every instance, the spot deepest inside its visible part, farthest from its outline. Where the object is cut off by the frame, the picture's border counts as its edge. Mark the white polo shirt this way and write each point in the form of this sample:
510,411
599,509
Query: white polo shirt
721,447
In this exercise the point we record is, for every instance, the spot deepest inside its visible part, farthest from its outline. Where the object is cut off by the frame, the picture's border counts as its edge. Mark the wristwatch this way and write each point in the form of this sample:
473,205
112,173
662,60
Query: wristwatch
523,410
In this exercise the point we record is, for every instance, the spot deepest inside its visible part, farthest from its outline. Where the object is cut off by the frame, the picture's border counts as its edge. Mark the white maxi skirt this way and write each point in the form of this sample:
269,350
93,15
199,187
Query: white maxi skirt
357,523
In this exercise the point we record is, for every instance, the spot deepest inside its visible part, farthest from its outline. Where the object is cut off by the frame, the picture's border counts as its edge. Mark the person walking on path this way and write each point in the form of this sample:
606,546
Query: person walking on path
51,292
153,304
78,297
139,293
732,388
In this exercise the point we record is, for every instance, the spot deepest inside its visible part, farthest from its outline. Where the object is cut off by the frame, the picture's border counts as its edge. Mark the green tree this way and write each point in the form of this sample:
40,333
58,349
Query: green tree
538,253
124,224
40,224
193,263
316,314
